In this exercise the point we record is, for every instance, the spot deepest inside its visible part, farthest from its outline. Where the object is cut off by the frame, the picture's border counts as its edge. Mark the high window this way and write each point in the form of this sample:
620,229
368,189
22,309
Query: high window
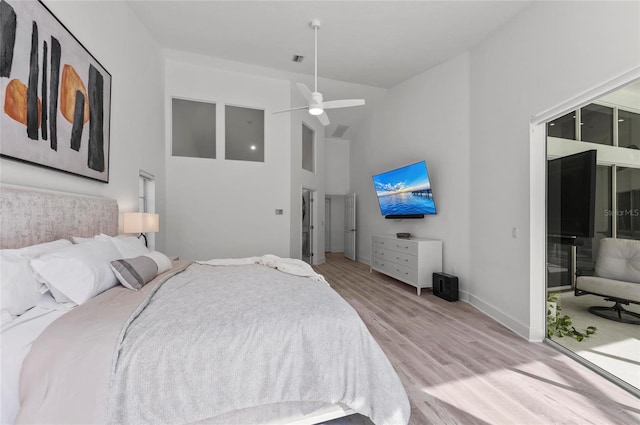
193,128
244,133
308,148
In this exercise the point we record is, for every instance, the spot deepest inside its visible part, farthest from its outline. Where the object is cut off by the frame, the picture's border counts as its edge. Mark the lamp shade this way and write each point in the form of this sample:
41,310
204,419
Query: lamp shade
141,222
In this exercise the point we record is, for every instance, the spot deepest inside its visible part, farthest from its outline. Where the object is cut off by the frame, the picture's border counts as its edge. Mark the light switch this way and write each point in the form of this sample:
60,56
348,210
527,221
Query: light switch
279,212
514,233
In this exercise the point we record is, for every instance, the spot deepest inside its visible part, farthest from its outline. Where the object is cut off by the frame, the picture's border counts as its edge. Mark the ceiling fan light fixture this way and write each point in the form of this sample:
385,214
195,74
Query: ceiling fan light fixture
316,102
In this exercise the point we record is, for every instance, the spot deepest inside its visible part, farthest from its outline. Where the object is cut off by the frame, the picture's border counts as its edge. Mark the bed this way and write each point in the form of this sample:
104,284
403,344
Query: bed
258,340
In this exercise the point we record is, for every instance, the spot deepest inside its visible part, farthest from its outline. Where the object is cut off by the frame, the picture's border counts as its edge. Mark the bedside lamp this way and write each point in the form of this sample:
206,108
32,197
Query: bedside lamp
141,223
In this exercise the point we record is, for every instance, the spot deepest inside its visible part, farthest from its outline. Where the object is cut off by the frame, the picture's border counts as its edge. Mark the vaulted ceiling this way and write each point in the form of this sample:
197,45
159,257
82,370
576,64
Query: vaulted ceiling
375,43
371,43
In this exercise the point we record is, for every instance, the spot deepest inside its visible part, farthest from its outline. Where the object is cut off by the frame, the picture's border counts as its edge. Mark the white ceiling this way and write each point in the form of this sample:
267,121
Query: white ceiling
374,43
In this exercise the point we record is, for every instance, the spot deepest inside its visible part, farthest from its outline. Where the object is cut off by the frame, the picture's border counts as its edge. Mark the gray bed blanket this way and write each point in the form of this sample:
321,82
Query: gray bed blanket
64,378
212,340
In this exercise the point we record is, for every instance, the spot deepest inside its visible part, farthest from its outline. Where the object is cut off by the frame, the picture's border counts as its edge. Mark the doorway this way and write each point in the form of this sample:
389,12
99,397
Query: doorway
350,226
307,225
591,122
327,224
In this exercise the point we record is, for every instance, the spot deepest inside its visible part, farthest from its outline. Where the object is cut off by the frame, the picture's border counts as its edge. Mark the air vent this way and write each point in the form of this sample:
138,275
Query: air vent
298,58
340,130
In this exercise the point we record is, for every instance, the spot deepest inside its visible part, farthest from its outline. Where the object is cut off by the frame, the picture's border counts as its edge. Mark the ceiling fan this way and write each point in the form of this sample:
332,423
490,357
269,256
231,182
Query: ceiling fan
317,105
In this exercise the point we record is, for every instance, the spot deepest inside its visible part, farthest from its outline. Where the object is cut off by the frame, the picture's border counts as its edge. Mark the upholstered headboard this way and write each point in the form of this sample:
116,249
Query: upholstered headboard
29,217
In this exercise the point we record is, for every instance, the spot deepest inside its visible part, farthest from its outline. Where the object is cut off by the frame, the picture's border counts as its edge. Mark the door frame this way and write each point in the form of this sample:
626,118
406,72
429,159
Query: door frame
327,224
538,194
351,230
315,258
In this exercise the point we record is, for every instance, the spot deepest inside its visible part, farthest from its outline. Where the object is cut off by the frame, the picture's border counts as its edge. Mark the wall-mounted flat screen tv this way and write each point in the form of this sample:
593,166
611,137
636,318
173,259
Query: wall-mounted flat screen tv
405,192
571,194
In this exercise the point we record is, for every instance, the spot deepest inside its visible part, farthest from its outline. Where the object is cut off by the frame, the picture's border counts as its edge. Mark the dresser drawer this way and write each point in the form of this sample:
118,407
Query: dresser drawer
403,273
382,253
409,247
380,242
394,244
381,265
404,259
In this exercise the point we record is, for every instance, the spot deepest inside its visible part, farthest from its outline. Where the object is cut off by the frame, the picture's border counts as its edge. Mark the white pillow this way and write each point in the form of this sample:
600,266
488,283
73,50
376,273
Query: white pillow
127,246
163,262
40,249
79,272
20,290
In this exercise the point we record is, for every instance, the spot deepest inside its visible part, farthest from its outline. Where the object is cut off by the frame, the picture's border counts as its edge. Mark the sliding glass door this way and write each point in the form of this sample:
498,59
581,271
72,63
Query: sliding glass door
612,128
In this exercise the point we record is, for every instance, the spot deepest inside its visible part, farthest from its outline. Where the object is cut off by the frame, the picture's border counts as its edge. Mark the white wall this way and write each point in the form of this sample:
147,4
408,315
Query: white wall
337,178
424,118
548,54
119,41
223,208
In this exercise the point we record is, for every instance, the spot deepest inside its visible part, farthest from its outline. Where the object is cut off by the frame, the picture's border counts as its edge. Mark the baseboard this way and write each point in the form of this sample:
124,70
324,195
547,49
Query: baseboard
463,296
504,319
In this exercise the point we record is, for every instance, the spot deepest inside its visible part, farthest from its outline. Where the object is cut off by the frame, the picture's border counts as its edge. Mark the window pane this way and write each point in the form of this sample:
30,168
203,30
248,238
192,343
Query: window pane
563,127
308,159
596,124
587,249
558,264
193,128
628,129
628,198
244,133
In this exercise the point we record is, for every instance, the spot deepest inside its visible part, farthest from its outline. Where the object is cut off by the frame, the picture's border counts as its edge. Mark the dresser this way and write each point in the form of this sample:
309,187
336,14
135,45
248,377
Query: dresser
412,261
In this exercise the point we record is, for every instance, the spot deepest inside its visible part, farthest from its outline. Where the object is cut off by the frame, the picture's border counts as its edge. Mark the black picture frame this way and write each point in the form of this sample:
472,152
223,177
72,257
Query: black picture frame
55,95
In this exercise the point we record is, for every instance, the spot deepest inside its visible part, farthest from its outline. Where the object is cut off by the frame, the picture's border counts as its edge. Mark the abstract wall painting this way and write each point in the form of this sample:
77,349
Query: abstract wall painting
55,96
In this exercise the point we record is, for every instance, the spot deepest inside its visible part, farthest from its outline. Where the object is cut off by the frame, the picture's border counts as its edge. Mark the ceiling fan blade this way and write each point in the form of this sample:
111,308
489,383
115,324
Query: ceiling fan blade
324,119
305,92
343,103
292,109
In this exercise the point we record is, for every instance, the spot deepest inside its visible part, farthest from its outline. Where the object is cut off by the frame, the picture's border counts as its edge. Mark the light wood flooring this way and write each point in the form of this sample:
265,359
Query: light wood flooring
459,366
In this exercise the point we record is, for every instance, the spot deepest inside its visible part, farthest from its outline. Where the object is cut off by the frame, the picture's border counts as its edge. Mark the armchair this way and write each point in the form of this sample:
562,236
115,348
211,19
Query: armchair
617,279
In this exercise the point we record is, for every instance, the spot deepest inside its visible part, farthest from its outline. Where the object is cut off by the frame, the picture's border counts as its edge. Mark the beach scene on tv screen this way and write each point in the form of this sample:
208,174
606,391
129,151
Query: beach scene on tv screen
404,191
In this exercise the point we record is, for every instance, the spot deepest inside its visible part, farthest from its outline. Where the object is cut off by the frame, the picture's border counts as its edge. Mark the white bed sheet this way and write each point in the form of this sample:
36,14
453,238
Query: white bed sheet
16,338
